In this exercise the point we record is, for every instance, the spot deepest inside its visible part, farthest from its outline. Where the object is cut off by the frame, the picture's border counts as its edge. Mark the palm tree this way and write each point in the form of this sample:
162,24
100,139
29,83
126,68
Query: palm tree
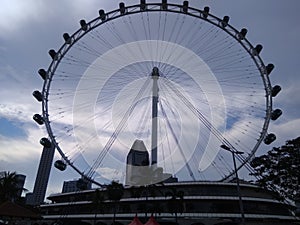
8,187
175,203
97,203
136,192
115,192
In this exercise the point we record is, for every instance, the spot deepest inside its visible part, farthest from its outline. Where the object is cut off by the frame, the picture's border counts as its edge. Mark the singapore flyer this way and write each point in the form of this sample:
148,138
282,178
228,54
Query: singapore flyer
182,84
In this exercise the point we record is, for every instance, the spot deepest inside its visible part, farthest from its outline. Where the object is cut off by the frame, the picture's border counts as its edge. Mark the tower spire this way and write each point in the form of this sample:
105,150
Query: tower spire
155,76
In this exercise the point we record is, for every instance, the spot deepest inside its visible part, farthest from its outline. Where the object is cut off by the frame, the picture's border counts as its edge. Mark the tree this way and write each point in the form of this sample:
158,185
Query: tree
98,203
280,168
115,192
175,204
147,191
8,187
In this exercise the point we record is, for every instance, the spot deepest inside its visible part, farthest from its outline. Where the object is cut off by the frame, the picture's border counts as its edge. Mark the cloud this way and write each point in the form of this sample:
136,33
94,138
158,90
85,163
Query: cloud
29,28
286,130
287,101
21,154
18,152
17,103
15,15
109,174
14,150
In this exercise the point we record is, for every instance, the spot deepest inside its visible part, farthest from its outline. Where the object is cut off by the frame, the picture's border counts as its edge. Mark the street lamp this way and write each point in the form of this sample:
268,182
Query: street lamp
234,152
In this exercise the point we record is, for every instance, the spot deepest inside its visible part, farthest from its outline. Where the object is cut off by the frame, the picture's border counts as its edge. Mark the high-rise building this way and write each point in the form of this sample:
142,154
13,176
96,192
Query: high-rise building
76,185
139,172
42,177
137,165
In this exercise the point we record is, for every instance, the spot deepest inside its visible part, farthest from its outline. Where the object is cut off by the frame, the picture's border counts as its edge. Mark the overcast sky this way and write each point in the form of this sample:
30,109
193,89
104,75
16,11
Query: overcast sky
29,28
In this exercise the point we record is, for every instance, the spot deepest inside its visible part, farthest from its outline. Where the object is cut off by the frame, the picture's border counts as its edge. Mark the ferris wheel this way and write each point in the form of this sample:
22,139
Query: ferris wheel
180,79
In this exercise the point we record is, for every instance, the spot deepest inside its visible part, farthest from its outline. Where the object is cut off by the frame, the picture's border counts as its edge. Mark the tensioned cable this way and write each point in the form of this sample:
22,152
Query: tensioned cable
115,134
177,142
220,54
207,123
202,118
203,136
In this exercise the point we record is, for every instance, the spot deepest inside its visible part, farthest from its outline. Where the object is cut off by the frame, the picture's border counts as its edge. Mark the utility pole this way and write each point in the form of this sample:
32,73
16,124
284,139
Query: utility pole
233,152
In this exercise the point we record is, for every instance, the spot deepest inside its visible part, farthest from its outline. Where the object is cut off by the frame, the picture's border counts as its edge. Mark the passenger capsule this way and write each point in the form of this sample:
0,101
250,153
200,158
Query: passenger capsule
102,14
205,12
242,34
38,118
67,38
185,6
225,21
164,5
269,138
38,95
269,68
83,25
255,51
61,165
45,142
276,114
143,5
122,8
275,90
43,74
52,54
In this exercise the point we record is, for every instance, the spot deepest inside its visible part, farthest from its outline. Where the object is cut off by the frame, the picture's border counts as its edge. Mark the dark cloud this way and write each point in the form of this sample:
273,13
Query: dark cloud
29,31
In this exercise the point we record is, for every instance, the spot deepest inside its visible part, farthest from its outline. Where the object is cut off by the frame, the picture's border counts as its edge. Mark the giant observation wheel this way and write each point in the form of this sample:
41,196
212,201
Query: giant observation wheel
212,89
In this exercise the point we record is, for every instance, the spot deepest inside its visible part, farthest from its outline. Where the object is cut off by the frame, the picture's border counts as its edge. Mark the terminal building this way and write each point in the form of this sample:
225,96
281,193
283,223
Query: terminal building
201,203
169,201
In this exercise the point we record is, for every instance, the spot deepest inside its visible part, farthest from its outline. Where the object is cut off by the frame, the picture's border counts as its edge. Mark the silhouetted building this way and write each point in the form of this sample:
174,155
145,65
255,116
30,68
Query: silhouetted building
20,183
139,172
76,185
137,164
42,177
203,203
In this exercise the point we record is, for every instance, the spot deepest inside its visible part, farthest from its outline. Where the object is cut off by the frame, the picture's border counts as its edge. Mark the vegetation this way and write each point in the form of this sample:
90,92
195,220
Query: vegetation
280,168
115,192
175,204
146,192
98,203
9,191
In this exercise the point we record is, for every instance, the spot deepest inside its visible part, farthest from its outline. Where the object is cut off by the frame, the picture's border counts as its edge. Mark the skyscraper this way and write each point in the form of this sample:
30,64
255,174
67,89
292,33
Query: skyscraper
20,183
42,177
137,164
139,172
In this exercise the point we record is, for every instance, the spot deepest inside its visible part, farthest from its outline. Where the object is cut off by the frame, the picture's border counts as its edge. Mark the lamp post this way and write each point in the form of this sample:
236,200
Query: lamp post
233,152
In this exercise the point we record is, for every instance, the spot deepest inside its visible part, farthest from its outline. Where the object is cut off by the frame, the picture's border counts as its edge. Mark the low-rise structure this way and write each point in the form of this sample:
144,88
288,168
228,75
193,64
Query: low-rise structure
201,203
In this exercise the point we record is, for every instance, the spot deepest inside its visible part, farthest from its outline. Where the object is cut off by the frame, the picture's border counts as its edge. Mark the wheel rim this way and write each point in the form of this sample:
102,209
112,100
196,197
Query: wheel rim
211,27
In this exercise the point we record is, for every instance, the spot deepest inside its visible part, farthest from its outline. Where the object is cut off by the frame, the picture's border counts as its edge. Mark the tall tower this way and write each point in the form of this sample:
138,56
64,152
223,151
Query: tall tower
138,170
155,76
42,177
